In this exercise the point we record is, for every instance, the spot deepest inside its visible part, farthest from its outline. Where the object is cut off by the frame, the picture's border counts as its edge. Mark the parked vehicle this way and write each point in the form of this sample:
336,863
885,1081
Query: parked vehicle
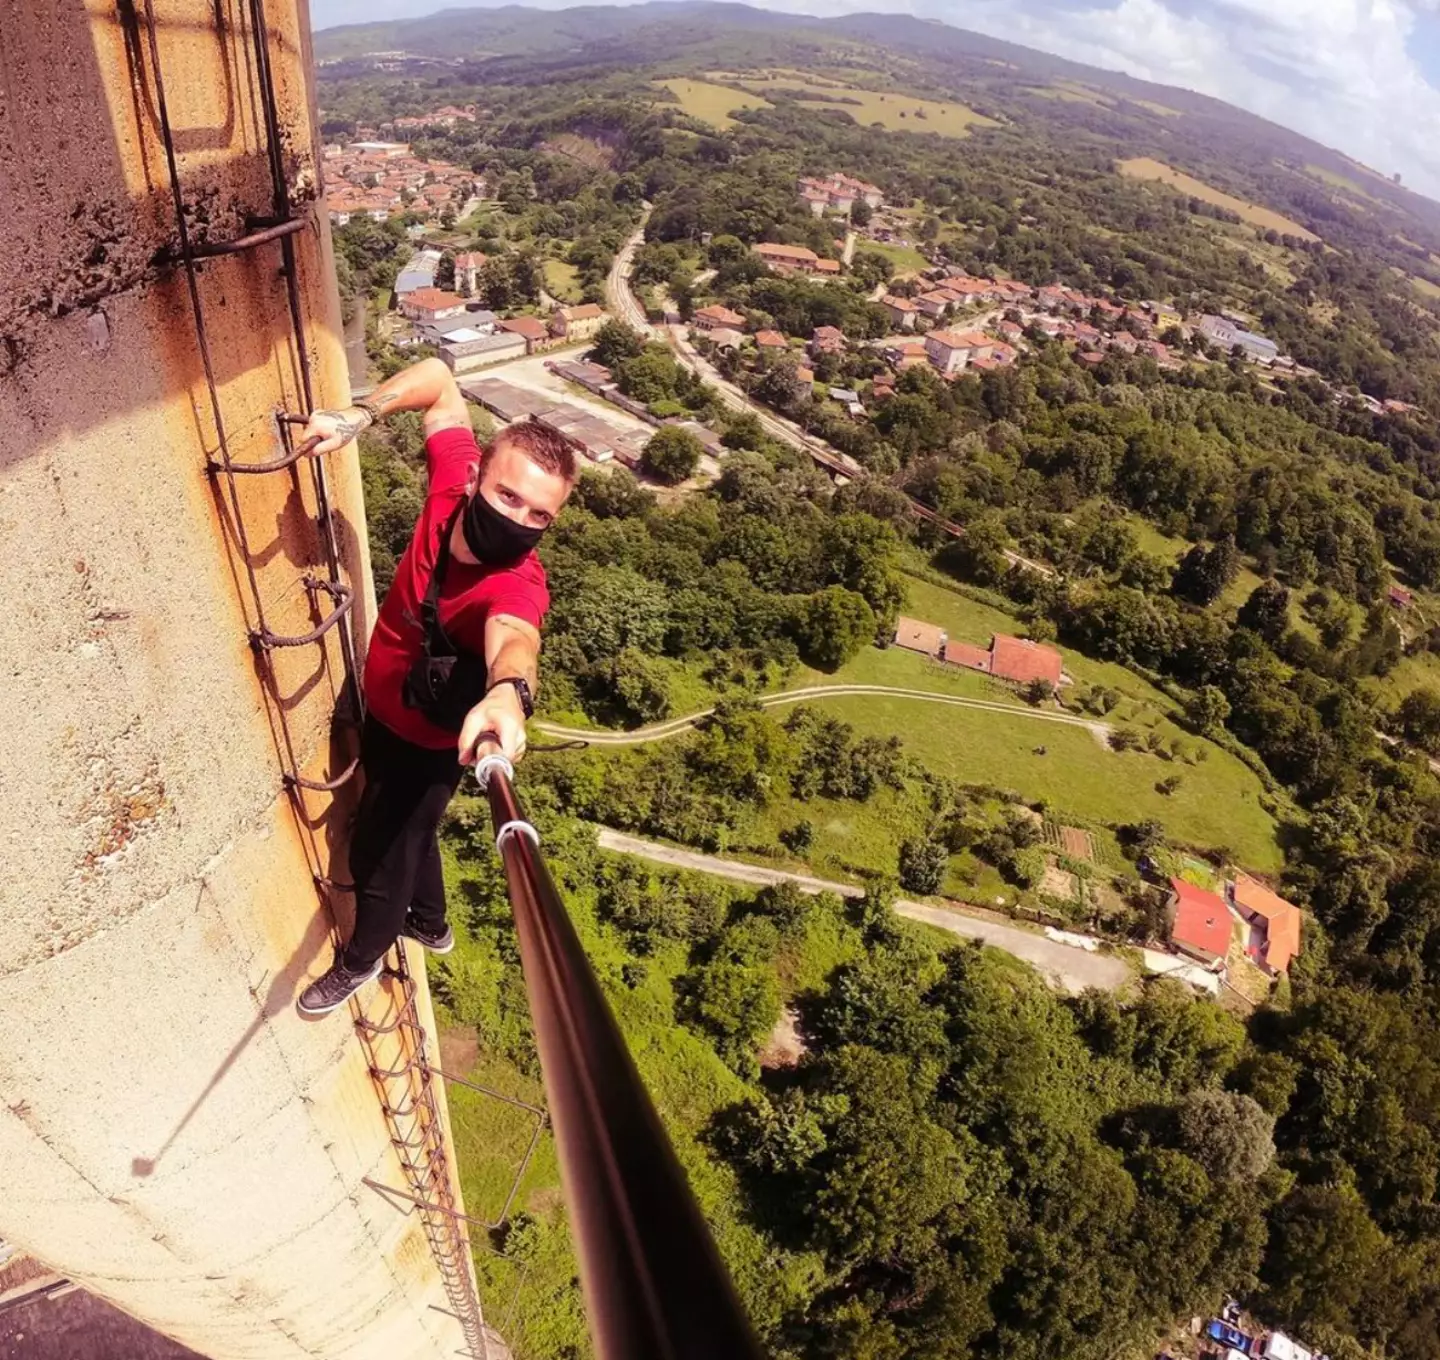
1227,1335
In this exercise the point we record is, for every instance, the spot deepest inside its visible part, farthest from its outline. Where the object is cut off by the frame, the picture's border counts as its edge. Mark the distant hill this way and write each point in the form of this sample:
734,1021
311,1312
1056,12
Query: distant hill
1246,154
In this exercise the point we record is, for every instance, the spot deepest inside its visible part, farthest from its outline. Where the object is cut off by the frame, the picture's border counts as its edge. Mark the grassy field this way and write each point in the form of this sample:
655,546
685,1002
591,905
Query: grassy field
894,111
1342,183
905,258
1423,286
1163,110
1069,93
1217,804
562,280
712,104
1276,260
1143,167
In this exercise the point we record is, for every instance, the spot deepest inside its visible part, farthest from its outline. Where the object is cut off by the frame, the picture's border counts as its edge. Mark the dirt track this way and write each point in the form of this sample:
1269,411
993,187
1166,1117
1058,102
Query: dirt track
674,726
1072,969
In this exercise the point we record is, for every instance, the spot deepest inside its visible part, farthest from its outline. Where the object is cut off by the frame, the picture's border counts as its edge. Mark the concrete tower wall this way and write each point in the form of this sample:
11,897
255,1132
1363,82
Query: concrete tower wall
173,1135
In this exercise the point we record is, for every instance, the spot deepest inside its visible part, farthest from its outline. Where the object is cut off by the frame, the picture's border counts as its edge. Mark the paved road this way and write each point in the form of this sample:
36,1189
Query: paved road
675,726
1066,967
623,304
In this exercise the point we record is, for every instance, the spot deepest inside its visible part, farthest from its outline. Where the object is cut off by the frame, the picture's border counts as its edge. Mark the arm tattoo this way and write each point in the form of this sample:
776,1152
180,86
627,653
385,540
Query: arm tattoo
346,427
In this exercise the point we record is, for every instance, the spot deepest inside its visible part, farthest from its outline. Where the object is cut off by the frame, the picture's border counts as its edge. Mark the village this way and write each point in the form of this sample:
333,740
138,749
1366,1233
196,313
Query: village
957,322
379,179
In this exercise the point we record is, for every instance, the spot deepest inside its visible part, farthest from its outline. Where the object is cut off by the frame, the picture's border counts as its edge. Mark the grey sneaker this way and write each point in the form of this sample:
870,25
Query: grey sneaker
442,943
335,988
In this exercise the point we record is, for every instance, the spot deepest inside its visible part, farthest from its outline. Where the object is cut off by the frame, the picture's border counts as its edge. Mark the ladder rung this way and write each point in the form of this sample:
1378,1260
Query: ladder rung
250,241
344,598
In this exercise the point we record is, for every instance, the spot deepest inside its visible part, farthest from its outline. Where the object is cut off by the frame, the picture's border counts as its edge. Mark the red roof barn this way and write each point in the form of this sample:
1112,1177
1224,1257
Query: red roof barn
1202,922
967,654
1022,661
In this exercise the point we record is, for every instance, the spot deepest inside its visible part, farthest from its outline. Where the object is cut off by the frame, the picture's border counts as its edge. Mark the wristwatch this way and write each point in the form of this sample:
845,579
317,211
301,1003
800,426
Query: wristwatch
527,700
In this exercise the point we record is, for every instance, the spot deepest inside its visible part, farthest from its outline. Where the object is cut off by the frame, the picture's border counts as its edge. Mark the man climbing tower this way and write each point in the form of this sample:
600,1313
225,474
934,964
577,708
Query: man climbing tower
453,655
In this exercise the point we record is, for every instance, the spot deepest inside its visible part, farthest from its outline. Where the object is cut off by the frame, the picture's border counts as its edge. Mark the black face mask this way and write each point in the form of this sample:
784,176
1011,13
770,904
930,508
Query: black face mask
495,538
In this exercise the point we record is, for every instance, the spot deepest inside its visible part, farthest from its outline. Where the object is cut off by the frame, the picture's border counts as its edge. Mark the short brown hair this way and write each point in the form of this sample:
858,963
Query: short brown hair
546,447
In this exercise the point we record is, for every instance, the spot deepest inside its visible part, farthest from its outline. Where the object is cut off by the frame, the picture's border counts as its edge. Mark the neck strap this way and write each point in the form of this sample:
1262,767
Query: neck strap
430,605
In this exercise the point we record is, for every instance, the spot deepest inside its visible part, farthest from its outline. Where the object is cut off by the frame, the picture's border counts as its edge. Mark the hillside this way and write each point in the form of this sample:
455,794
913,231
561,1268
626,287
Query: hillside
1260,159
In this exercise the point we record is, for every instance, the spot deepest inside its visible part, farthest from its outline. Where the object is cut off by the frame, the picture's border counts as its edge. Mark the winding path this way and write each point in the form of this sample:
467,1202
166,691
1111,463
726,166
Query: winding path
623,304
675,726
1070,968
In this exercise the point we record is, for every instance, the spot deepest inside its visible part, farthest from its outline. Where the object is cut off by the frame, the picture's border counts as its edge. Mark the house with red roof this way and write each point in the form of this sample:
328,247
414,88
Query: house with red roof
534,332
901,311
784,259
771,340
1274,923
950,351
1022,660
577,323
1200,923
935,303
1018,660
715,316
431,304
468,264
966,654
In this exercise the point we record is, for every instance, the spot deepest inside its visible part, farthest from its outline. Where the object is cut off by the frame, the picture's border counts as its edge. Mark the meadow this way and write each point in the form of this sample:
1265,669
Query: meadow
1144,167
892,110
712,104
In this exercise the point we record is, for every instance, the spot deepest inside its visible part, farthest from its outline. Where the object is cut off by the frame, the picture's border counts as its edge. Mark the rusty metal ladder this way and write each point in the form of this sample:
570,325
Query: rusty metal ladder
411,1109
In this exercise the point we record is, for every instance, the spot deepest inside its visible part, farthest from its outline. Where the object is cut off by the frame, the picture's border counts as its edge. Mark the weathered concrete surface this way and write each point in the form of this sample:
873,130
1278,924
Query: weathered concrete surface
173,1135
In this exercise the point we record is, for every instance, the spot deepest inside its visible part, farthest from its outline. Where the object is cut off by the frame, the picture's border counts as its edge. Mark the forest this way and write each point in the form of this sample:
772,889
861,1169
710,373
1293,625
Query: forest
962,1162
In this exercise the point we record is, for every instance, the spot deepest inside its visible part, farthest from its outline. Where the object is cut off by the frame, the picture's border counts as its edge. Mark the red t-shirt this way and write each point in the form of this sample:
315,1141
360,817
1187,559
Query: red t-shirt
470,595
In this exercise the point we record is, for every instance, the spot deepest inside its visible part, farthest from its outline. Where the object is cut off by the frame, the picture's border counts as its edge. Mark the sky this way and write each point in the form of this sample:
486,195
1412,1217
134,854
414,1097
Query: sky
1362,76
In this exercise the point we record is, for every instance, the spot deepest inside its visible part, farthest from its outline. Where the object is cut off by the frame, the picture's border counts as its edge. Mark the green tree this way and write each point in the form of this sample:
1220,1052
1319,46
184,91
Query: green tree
1207,709
614,343
640,686
1266,611
1204,573
735,1003
609,608
496,286
671,454
445,271
834,624
1228,1134
922,865
1325,1252
650,376
799,838
890,1171
1420,719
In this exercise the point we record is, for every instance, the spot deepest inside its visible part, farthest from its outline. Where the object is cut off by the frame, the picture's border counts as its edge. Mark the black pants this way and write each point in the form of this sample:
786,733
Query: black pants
394,856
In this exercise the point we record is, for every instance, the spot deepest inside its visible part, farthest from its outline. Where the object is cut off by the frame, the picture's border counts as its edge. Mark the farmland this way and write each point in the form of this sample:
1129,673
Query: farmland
892,110
1144,167
712,104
